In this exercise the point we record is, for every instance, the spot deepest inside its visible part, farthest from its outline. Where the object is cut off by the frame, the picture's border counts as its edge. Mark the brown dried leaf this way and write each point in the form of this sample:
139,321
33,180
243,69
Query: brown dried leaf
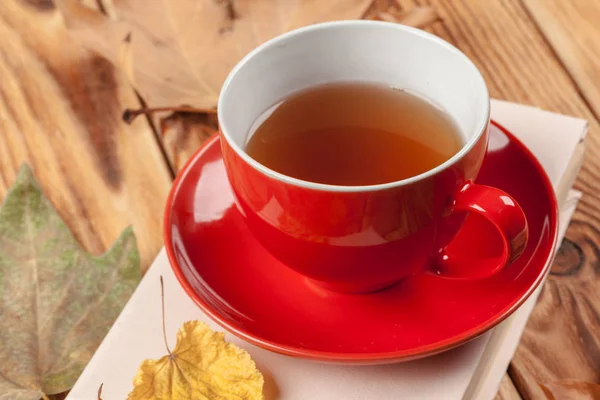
571,391
179,52
184,132
390,11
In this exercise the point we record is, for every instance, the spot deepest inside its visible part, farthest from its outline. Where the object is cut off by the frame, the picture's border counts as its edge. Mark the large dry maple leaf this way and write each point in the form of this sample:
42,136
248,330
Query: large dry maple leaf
180,51
56,301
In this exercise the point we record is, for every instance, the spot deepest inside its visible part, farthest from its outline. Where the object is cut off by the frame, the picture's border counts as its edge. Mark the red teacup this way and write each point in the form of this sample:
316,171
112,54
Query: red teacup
364,238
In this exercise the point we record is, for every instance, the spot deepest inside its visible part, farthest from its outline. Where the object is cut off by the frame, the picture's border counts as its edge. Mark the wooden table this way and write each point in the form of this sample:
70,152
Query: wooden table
60,110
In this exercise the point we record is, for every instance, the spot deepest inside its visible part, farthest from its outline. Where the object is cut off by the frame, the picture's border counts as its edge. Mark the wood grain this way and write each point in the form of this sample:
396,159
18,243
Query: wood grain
562,340
507,390
572,30
60,110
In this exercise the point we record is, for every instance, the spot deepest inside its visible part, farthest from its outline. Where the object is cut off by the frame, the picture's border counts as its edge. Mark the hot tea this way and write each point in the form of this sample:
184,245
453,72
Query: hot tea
353,134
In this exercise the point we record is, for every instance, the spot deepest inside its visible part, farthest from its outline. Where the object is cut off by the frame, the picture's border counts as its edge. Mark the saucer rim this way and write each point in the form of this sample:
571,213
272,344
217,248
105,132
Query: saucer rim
357,358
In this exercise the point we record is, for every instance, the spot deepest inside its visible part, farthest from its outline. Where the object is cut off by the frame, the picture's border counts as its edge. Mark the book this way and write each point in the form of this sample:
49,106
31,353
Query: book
471,371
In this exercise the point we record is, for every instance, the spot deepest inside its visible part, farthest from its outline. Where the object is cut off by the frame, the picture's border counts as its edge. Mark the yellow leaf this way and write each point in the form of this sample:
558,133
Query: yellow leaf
202,366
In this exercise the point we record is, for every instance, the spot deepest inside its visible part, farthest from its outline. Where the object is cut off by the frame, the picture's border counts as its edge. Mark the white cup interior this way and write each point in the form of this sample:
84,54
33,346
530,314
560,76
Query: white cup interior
366,51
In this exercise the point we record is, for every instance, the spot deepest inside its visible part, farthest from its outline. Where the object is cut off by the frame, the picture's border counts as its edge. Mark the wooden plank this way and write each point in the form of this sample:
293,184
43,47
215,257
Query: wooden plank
572,30
562,338
507,390
60,109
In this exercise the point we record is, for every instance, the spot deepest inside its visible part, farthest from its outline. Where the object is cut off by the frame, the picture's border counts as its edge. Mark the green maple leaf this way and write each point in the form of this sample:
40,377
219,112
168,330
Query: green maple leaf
57,302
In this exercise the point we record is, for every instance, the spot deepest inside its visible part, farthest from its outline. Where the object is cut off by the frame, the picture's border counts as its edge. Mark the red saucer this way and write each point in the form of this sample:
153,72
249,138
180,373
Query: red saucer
243,288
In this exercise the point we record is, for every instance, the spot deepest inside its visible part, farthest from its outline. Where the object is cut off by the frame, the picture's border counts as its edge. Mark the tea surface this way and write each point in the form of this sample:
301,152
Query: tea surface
353,134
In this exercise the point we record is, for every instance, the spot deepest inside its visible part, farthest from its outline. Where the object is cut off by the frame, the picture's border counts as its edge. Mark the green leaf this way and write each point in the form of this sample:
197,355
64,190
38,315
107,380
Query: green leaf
57,301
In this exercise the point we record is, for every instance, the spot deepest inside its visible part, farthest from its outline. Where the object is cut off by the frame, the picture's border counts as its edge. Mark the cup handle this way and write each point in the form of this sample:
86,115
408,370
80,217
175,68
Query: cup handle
504,213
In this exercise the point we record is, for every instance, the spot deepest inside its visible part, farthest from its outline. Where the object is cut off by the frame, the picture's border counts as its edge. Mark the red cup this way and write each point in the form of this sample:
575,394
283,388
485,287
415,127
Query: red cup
363,238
